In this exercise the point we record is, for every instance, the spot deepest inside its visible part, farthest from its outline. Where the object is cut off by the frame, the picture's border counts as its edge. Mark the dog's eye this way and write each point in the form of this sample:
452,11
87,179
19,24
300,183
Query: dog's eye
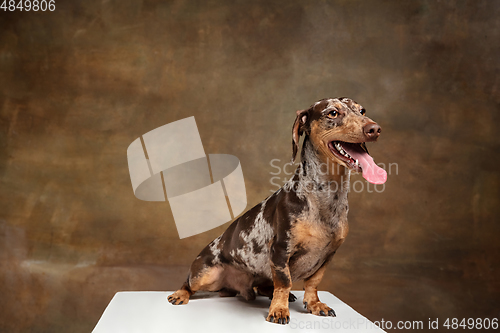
363,111
333,114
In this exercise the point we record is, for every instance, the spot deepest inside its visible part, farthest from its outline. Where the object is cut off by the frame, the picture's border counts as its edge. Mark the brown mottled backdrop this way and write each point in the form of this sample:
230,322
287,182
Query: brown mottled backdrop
79,84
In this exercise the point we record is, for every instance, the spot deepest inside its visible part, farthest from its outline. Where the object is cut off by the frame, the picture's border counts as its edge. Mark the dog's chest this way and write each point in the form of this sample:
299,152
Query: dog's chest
312,244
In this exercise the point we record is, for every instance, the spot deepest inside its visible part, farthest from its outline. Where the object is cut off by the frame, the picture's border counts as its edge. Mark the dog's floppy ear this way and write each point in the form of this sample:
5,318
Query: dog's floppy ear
297,130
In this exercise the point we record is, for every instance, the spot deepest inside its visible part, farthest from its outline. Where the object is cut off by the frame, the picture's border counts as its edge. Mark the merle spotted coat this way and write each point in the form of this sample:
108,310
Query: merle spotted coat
294,233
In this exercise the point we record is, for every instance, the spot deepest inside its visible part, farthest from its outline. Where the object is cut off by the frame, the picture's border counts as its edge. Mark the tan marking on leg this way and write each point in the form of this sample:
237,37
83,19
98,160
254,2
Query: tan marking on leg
311,299
278,311
209,280
181,296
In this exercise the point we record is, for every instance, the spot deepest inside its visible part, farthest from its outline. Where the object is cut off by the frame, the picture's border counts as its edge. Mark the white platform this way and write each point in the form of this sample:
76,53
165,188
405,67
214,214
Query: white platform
150,312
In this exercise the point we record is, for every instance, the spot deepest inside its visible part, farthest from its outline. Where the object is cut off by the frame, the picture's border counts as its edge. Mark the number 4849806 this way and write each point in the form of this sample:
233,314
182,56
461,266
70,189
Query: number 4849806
471,323
27,5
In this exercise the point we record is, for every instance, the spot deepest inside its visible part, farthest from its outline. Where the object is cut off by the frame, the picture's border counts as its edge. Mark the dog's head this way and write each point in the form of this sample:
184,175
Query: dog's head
338,128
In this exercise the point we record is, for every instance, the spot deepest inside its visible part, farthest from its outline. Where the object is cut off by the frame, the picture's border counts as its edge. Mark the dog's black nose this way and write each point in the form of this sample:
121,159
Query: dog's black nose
372,131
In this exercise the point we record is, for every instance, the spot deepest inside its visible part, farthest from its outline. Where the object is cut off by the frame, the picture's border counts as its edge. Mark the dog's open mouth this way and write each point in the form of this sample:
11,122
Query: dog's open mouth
356,157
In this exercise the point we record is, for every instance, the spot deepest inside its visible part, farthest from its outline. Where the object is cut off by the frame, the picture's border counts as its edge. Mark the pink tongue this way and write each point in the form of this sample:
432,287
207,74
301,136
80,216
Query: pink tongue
371,172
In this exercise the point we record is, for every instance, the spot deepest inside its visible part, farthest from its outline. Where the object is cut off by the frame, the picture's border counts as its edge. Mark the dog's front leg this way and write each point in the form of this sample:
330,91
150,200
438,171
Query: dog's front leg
311,299
278,311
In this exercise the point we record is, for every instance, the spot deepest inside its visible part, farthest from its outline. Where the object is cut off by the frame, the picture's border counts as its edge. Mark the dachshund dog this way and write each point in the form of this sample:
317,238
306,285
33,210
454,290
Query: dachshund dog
294,233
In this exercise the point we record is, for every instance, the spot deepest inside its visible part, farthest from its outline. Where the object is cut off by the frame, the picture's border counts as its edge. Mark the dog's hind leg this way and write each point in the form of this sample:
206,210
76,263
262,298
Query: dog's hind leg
206,273
240,281
182,295
208,279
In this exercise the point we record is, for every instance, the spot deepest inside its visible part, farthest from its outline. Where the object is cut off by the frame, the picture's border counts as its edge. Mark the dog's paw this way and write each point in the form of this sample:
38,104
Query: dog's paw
179,297
278,315
319,309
